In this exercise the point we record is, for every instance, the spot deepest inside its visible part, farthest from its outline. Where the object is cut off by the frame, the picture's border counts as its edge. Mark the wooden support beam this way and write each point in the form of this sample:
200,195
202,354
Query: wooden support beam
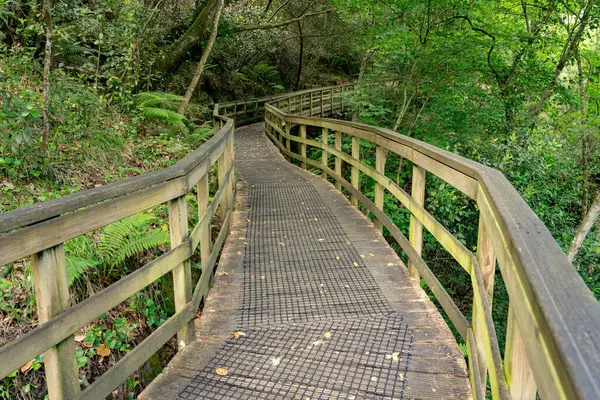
325,154
487,263
416,228
52,298
338,161
182,274
302,145
288,142
355,173
380,158
519,376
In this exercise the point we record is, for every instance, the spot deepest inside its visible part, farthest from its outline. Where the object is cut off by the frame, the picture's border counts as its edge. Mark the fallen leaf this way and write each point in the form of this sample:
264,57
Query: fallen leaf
79,338
248,219
371,254
222,273
327,335
362,256
222,372
316,219
103,351
395,357
275,361
337,257
239,253
281,244
237,335
25,368
318,342
355,264
374,379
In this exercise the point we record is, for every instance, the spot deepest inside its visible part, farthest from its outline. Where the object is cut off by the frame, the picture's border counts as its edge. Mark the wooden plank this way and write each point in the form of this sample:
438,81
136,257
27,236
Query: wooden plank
302,145
521,383
487,265
338,161
380,158
325,155
205,223
476,382
416,227
182,273
44,235
52,298
354,173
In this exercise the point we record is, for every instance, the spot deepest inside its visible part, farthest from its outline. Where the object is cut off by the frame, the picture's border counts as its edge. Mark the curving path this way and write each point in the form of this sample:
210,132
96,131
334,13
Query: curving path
321,304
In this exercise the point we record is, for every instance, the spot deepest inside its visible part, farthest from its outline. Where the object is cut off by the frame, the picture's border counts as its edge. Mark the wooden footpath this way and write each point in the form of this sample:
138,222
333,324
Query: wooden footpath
310,302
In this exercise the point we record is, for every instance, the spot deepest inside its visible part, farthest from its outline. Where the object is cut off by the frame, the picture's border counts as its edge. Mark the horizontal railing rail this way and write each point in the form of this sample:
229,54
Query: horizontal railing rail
554,320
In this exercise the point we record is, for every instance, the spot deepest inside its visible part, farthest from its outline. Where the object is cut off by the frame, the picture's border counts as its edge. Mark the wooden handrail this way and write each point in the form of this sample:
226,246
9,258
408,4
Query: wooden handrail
554,318
46,226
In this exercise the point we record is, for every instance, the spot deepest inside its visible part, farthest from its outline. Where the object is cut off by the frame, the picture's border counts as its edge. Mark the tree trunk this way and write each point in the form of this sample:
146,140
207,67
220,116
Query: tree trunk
198,32
584,228
47,13
203,59
300,58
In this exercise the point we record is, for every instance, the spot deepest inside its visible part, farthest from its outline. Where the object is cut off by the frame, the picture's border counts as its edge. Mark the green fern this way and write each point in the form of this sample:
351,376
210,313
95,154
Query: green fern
167,116
162,100
198,136
77,266
128,237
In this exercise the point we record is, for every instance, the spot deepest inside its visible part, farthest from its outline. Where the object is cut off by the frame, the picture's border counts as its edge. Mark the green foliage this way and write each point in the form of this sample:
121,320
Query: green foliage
130,236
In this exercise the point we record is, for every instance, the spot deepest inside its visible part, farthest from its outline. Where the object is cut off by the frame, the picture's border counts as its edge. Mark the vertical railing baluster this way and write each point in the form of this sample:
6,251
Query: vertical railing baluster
355,173
52,298
416,228
380,158
301,104
519,376
325,154
322,108
205,229
288,133
182,274
303,145
338,161
487,262
311,103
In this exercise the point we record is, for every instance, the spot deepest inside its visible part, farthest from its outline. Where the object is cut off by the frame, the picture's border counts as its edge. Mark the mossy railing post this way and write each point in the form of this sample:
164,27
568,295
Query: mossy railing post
303,145
182,274
380,158
416,227
338,161
325,154
355,174
52,298
311,104
288,142
519,376
487,264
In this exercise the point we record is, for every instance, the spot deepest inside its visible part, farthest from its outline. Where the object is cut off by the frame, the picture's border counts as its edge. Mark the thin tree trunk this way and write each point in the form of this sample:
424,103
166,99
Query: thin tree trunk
47,12
300,58
584,228
203,59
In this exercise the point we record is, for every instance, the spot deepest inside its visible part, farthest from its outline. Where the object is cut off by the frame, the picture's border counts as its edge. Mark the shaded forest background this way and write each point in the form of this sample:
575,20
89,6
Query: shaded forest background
96,91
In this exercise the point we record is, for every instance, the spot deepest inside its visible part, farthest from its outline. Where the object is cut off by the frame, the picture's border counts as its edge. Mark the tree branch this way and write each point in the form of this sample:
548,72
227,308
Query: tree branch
245,28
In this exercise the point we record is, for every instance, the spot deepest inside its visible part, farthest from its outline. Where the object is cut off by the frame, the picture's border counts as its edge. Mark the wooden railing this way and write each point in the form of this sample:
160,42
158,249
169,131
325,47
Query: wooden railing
553,334
40,231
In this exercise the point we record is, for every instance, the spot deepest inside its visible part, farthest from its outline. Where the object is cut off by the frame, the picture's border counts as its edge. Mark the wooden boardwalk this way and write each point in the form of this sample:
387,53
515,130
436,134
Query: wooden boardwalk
322,306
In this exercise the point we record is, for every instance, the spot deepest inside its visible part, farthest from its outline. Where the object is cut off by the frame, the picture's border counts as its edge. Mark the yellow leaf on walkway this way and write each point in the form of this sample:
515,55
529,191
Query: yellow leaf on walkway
237,335
222,372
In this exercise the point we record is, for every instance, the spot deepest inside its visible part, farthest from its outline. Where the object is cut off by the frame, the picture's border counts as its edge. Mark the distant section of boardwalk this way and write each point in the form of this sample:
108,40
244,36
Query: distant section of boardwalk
310,302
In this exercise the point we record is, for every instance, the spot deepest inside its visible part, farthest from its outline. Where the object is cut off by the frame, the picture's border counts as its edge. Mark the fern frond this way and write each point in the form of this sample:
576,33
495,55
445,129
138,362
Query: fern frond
167,116
168,101
139,243
115,236
76,266
198,136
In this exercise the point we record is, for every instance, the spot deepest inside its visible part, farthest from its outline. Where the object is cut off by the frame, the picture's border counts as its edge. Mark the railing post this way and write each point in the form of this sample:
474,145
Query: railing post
519,376
311,104
289,105
487,263
331,101
288,133
182,274
416,228
380,158
355,176
205,229
303,145
52,298
301,104
322,103
325,154
338,161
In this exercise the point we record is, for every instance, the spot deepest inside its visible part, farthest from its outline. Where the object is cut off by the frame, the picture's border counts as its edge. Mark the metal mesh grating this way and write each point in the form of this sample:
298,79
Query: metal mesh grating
346,359
299,264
